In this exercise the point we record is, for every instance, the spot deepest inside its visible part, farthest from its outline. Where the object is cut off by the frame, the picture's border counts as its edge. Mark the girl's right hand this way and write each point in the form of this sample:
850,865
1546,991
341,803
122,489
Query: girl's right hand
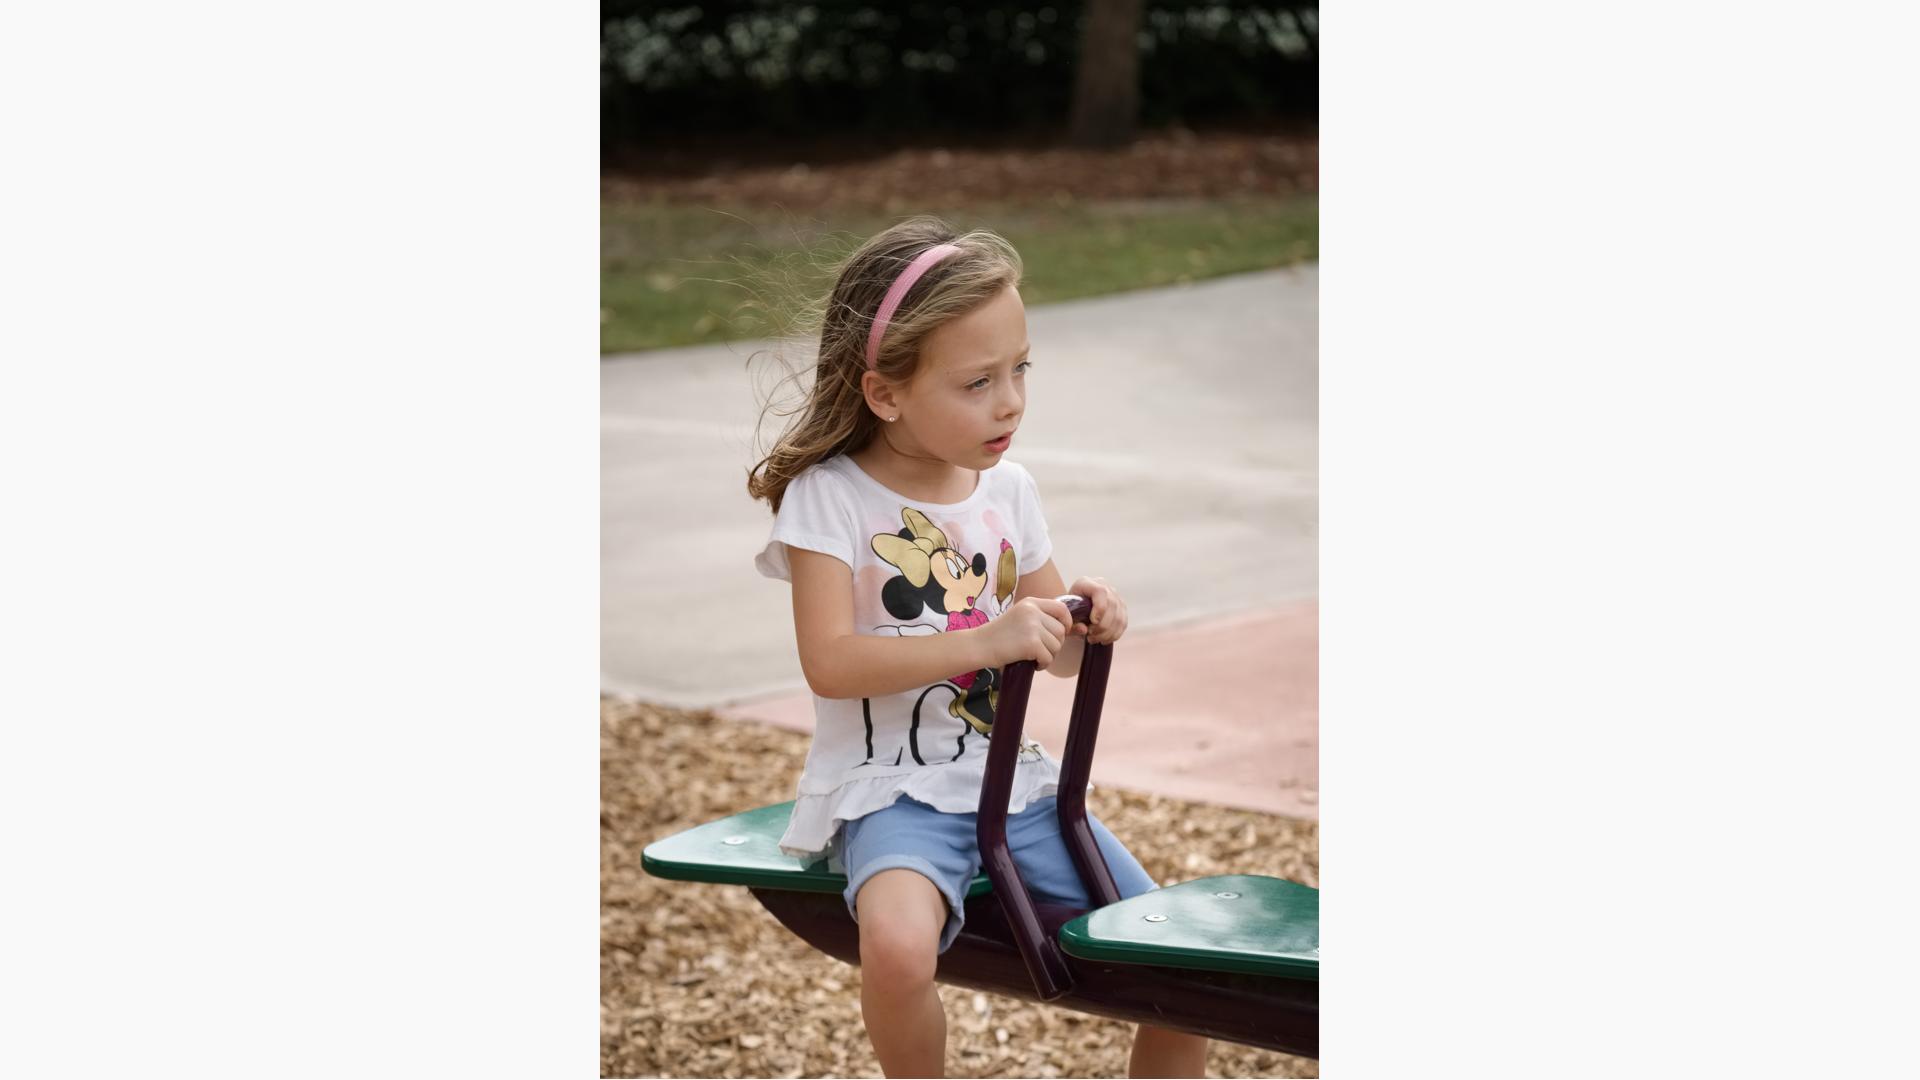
1032,629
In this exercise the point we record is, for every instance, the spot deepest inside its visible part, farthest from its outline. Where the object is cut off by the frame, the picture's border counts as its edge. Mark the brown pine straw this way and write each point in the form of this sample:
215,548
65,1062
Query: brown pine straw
700,981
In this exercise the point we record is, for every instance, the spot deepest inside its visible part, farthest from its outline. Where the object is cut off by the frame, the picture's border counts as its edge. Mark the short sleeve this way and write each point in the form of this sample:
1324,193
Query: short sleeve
816,513
1036,544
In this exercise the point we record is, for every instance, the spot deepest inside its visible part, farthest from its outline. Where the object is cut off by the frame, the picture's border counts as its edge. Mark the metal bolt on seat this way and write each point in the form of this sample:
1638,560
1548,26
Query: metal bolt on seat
1156,918
1228,895
734,840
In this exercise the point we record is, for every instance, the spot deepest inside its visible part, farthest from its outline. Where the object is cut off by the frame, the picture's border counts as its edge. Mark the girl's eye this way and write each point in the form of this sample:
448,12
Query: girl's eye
984,381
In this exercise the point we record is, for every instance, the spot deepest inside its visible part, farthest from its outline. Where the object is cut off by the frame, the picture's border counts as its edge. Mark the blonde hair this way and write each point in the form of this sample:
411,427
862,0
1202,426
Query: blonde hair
835,418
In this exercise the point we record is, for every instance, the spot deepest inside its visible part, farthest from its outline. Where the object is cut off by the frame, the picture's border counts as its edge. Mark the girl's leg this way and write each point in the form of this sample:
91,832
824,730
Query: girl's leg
901,916
1163,1052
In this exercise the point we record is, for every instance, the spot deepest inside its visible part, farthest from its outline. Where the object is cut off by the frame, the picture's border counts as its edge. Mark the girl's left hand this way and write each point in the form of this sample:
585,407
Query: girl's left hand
1109,618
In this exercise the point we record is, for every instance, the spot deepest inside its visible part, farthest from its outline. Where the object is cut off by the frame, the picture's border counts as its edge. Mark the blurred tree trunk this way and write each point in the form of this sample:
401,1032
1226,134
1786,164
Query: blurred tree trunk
1106,86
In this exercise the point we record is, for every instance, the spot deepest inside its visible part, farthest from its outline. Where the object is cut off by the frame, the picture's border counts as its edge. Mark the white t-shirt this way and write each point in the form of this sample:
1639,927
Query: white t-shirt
918,568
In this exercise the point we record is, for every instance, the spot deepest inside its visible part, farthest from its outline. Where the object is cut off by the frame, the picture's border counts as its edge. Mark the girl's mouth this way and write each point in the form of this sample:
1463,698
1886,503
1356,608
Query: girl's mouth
1000,444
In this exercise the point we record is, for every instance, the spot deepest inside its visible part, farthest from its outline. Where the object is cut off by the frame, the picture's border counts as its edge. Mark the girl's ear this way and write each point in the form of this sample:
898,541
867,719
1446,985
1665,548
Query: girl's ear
882,396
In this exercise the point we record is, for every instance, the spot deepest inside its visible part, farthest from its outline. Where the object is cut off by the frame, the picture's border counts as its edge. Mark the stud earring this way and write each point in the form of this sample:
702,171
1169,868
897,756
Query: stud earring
891,419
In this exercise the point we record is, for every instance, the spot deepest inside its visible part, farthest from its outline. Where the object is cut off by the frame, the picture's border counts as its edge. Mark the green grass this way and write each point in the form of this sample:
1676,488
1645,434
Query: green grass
672,274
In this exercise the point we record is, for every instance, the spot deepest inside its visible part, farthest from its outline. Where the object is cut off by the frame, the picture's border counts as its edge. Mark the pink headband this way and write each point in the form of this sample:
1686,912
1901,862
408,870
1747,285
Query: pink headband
898,292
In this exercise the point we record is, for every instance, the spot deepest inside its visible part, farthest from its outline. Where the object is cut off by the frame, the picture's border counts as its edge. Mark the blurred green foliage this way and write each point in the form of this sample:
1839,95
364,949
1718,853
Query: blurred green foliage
864,69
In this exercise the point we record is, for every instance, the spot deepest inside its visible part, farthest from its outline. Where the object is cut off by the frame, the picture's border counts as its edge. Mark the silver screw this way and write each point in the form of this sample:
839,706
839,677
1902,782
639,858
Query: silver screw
1228,895
1156,918
734,840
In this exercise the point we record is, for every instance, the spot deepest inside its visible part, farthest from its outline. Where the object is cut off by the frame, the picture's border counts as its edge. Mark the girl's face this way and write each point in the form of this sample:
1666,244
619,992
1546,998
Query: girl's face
964,403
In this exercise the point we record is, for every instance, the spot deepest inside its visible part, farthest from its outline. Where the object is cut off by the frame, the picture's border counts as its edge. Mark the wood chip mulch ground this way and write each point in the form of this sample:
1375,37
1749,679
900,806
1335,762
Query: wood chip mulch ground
1174,164
699,980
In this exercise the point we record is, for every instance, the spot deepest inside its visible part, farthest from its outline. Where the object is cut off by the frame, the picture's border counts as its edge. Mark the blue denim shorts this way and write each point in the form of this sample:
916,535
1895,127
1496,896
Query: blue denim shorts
944,848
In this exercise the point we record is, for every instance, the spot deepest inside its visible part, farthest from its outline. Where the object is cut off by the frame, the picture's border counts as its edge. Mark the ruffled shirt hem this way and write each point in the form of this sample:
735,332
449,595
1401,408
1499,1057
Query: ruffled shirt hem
814,828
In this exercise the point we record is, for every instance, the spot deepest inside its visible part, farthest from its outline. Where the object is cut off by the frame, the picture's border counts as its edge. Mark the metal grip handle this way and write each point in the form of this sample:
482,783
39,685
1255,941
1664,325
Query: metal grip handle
1044,961
1079,607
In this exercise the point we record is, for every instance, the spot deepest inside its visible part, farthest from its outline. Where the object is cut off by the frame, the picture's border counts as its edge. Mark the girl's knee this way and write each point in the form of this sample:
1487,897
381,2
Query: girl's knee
901,921
898,954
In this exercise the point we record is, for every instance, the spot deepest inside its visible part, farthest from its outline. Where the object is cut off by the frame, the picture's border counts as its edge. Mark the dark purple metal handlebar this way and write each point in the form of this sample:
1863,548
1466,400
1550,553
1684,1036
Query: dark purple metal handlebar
1045,962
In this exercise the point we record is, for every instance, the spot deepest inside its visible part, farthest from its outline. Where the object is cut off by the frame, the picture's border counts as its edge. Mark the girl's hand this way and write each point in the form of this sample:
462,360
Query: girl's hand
1109,617
1032,629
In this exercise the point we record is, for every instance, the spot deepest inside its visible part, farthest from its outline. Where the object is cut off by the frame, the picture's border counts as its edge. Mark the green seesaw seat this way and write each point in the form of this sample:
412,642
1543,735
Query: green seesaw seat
1230,922
1233,922
745,850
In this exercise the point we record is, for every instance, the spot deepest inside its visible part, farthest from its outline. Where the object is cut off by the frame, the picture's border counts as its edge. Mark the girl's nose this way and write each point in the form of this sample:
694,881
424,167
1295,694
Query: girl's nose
1011,403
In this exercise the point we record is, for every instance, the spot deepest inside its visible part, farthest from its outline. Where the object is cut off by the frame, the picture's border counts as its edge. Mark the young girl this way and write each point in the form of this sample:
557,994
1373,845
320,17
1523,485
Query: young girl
921,566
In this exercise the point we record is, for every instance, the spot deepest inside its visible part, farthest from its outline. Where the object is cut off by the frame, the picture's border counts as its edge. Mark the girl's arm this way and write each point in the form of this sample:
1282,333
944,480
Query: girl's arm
839,663
1109,613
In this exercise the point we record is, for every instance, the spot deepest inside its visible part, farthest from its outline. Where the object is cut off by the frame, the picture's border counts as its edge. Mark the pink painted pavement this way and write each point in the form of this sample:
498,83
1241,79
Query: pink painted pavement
1223,711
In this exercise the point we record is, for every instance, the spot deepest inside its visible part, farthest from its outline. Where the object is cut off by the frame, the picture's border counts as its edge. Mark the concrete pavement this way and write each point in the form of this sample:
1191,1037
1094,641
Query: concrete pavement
1173,433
